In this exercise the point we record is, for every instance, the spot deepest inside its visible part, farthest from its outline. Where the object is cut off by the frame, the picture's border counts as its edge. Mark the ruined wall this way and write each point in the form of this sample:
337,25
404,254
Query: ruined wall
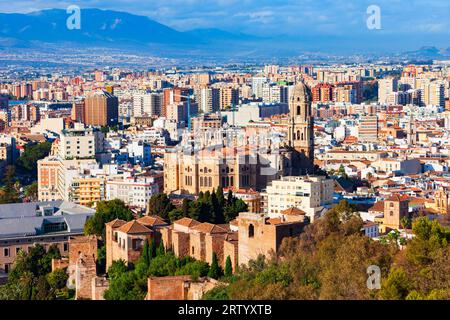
60,263
99,286
85,272
167,288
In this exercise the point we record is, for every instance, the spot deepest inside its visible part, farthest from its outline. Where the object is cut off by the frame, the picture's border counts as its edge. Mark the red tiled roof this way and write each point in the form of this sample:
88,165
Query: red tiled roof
293,211
187,222
134,227
151,221
209,228
116,223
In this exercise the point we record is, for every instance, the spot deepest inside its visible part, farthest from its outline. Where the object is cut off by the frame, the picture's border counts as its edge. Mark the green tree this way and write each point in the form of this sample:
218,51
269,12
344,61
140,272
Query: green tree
32,154
107,211
396,286
228,267
160,205
145,255
116,269
219,292
57,279
101,259
9,194
31,191
161,250
214,271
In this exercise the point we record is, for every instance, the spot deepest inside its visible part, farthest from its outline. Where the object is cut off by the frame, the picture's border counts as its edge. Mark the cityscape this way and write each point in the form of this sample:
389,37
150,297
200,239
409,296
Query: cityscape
203,164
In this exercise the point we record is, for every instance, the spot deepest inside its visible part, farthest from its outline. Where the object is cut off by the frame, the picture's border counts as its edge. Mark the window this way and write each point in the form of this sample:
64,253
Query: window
193,250
66,247
18,250
6,252
251,231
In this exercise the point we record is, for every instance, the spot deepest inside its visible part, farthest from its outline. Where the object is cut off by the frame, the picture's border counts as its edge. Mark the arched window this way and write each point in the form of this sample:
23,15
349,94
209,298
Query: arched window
251,231
302,135
298,134
298,110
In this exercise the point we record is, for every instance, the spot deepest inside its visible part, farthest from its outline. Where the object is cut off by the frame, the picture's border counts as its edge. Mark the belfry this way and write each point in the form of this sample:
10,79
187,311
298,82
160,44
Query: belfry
301,129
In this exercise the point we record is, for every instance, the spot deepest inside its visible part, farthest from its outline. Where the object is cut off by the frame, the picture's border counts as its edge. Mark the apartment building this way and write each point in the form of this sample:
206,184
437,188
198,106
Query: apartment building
307,193
133,191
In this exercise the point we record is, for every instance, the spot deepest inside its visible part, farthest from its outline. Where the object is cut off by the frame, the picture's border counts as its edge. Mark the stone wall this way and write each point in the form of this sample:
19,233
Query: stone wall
178,288
85,272
99,286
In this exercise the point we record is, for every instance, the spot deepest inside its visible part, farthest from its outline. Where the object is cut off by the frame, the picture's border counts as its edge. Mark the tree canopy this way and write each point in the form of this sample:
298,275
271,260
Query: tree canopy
107,211
329,260
31,277
210,207
29,158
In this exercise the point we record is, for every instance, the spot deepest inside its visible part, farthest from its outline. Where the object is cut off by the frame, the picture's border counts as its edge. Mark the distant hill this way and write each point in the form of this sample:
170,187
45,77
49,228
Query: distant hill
47,29
96,26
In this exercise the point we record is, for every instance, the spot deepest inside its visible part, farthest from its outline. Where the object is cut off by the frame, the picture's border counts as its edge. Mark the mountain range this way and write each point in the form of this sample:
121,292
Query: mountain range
121,30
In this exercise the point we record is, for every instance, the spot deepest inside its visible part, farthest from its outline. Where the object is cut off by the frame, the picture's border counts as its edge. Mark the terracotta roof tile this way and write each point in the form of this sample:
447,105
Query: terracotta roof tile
209,228
187,222
134,227
293,211
116,223
152,221
378,206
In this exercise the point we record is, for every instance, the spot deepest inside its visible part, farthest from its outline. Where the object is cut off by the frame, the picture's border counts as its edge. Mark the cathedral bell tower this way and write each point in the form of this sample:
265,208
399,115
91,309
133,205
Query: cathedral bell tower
301,126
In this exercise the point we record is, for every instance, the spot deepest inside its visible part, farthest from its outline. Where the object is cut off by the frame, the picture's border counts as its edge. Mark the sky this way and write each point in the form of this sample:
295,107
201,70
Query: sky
424,21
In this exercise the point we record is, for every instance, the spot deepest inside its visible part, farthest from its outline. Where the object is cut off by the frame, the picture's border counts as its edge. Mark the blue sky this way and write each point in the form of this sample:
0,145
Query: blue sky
424,20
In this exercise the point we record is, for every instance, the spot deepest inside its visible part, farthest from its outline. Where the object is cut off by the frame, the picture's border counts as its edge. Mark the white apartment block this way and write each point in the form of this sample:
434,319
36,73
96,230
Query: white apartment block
307,193
133,191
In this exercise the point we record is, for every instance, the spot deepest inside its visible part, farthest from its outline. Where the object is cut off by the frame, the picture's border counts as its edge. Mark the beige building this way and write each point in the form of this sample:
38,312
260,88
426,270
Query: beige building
227,167
80,142
55,177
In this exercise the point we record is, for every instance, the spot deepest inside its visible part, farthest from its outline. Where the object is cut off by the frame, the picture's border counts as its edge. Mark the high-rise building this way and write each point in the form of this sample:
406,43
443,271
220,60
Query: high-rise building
147,104
368,128
173,96
322,93
101,109
257,86
77,114
229,97
385,87
272,93
209,100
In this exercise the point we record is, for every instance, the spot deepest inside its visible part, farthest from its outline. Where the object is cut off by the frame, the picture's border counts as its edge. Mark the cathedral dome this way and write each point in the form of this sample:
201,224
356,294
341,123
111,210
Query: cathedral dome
300,93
